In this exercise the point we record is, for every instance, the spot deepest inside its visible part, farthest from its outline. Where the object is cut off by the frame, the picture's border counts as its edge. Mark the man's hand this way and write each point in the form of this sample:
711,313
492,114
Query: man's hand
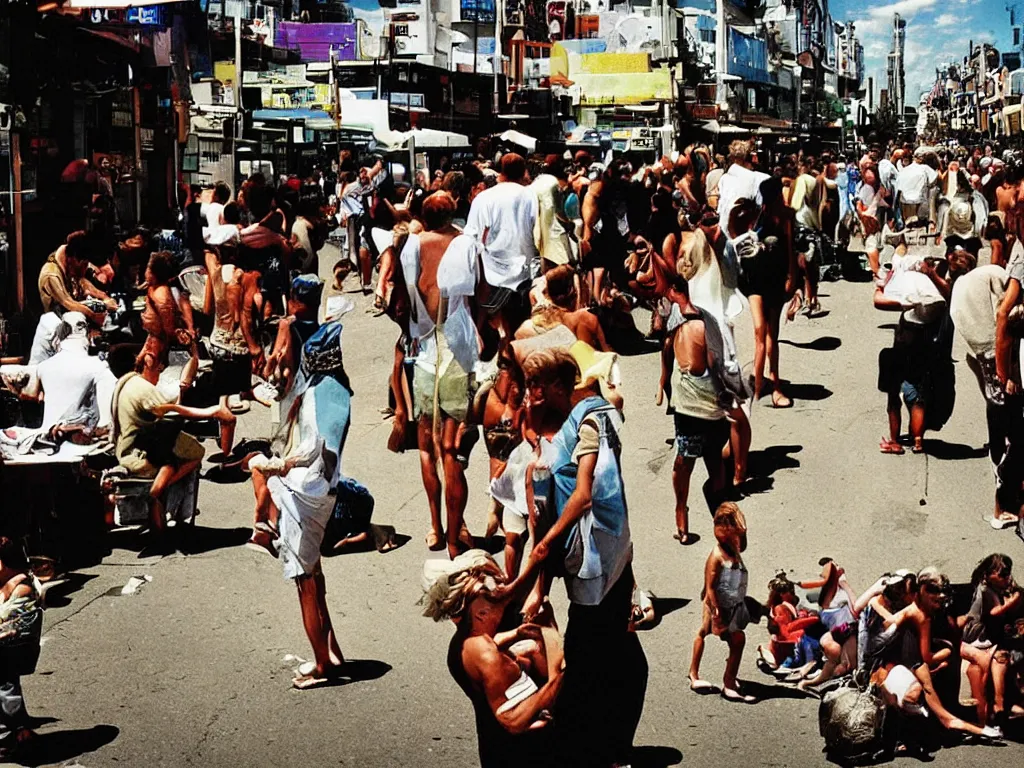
1011,387
110,304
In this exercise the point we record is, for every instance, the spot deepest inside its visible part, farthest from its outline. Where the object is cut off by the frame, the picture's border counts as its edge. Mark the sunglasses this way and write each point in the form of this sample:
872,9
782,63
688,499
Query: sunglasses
935,589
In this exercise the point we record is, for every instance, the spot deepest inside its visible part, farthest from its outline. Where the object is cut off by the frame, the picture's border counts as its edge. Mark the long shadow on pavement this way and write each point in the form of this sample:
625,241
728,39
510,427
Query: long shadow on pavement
806,391
763,464
49,748
940,449
656,757
358,671
59,590
821,344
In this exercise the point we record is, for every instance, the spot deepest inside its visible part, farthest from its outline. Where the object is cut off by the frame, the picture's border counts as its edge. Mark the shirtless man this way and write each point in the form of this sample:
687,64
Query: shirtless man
167,317
1007,201
512,678
447,355
232,361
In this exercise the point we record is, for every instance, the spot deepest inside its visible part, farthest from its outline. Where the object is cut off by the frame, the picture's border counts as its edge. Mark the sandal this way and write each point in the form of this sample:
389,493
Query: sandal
700,686
780,401
891,447
435,543
731,694
684,538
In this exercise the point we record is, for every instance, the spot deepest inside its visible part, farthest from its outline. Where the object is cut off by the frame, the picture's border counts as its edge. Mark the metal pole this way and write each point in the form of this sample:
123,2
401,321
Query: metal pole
238,60
19,250
497,56
238,96
137,115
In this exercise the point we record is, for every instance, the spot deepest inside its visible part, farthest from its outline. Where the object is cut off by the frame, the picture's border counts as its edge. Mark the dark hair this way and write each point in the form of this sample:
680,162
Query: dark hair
437,211
221,192
121,358
13,554
232,215
513,166
309,202
77,245
555,165
990,564
163,266
259,197
454,182
561,286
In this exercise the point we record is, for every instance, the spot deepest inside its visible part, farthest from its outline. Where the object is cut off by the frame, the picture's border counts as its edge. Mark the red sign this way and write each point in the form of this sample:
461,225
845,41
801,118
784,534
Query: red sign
703,111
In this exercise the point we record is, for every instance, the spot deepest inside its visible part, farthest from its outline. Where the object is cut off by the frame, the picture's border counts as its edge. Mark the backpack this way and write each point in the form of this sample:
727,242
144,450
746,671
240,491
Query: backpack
852,722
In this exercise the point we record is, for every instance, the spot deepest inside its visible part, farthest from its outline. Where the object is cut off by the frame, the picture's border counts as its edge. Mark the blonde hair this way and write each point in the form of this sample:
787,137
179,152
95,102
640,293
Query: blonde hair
469,573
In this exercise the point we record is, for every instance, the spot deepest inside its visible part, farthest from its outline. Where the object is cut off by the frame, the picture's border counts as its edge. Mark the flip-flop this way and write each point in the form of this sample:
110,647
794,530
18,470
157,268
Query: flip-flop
700,686
308,682
686,539
730,694
775,403
891,447
434,542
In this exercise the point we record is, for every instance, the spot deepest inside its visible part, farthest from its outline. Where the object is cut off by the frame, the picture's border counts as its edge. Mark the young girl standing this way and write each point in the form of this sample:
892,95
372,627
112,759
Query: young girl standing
724,594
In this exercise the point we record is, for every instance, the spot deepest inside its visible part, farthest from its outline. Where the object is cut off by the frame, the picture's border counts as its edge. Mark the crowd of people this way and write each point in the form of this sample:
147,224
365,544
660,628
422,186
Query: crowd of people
513,285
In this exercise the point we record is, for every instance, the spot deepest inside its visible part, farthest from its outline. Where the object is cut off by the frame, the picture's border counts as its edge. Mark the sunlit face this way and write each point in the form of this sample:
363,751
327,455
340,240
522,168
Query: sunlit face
932,595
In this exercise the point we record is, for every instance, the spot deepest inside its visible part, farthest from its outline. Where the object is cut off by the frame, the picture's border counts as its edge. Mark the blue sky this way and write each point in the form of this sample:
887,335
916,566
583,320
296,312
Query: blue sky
938,31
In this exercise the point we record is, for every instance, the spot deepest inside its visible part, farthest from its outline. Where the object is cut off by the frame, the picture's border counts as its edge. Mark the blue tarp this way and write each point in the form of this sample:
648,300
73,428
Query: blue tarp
290,114
748,57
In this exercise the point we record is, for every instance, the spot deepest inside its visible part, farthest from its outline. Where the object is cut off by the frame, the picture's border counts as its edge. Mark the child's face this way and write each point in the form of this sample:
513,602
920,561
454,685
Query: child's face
1000,577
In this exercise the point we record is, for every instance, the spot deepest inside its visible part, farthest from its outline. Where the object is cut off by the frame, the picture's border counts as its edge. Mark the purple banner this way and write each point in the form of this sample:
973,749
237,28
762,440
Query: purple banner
314,41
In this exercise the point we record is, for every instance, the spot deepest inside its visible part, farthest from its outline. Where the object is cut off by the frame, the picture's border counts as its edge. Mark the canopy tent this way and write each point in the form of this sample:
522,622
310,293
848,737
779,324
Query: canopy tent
423,138
519,139
715,127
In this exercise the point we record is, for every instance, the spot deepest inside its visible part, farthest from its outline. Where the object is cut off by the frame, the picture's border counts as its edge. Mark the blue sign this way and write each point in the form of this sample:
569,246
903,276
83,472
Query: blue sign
481,11
146,15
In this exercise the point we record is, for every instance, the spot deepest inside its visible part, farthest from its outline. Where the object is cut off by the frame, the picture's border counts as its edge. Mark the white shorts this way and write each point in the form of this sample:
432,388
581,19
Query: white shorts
873,242
899,682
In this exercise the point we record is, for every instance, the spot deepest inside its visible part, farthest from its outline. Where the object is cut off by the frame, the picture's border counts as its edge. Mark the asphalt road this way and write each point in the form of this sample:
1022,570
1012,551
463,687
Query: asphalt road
195,668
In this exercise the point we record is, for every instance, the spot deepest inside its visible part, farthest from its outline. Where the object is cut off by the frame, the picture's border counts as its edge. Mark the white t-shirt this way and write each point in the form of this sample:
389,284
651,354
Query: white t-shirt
736,184
213,213
501,219
914,182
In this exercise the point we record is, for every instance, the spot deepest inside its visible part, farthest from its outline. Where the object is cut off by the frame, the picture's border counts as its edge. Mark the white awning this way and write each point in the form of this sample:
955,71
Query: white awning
519,139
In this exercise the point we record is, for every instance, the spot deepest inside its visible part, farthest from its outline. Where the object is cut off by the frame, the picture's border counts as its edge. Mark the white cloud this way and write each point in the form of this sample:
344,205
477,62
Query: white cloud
948,20
906,8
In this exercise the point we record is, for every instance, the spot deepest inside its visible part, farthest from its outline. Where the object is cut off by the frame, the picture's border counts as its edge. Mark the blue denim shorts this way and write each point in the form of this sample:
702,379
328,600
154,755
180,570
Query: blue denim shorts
911,395
696,437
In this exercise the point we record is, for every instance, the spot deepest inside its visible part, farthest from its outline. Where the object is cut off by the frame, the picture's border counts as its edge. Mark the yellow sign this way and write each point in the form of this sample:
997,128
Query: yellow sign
224,71
613,63
631,88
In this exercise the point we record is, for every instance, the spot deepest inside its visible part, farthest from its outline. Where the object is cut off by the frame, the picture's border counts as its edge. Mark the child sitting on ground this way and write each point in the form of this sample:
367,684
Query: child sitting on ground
726,614
791,648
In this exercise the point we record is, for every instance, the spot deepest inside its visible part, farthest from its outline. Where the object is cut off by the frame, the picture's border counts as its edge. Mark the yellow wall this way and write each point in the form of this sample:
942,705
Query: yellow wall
612,63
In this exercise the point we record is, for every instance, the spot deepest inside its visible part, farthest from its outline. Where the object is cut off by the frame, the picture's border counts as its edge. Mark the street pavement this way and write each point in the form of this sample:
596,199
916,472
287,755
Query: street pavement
195,667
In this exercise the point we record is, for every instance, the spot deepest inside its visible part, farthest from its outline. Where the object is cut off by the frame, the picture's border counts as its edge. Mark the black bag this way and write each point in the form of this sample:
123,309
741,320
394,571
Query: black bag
20,654
890,369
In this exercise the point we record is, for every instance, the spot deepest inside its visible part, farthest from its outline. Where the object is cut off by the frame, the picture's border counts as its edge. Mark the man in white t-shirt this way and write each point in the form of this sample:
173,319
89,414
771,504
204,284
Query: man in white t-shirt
213,211
502,219
739,182
914,184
